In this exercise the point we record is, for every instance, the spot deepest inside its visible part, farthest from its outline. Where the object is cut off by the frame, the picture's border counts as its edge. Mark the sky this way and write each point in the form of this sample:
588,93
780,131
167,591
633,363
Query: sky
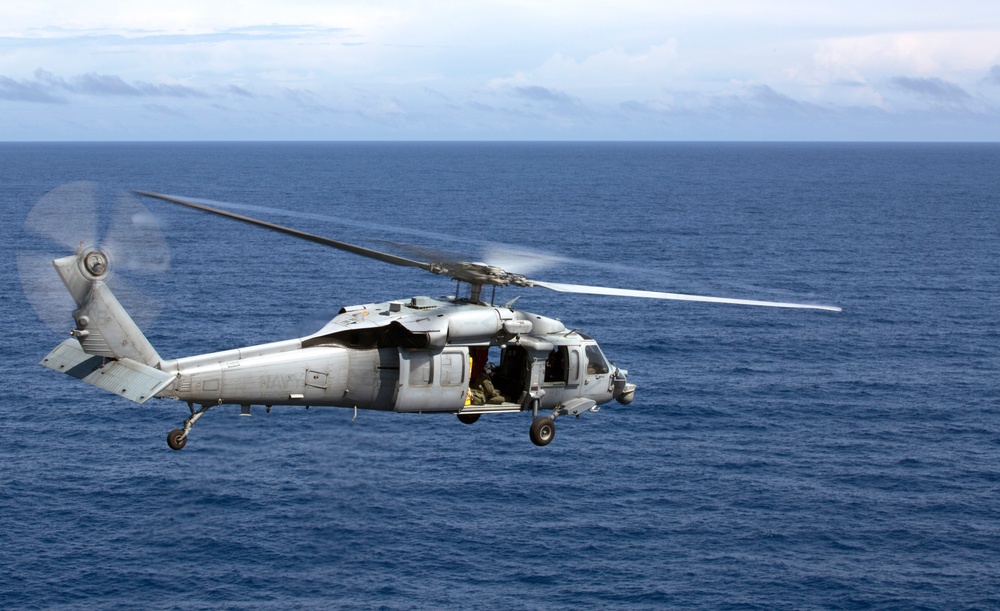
500,70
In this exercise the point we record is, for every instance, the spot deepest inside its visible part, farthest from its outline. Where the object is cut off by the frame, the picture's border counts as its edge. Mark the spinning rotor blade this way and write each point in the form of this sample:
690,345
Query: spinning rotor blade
134,238
520,260
351,248
67,219
45,291
439,256
66,215
440,261
479,274
515,259
603,290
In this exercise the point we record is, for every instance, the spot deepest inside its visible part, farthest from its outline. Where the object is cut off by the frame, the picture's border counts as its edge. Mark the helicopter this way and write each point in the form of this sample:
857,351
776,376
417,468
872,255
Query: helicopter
416,355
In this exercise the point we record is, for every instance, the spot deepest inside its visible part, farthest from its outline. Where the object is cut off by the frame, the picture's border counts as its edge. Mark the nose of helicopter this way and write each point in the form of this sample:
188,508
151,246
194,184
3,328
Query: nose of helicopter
624,392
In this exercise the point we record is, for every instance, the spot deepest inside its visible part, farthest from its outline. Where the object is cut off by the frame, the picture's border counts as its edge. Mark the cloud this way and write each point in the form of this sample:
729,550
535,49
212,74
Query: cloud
300,96
533,101
537,93
307,100
758,101
650,107
28,91
602,77
111,85
100,84
767,97
169,90
994,75
923,52
934,88
49,36
604,74
844,82
163,110
502,111
47,87
237,90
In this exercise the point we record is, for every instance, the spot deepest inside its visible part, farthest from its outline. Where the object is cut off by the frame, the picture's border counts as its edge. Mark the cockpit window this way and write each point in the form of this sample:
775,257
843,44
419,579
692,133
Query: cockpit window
555,365
596,363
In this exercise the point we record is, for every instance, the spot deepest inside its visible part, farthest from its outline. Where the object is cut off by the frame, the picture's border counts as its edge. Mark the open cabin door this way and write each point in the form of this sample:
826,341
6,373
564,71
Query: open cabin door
432,381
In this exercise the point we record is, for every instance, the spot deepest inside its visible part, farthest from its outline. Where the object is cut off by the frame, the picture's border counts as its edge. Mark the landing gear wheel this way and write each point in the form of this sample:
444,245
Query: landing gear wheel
176,439
468,418
543,429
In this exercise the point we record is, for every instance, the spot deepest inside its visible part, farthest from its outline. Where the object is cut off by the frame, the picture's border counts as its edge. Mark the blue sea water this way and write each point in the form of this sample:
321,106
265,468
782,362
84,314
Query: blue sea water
772,458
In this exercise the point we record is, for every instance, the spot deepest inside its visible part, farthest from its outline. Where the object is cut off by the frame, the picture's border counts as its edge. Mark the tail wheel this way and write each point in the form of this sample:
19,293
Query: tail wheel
468,418
176,439
543,430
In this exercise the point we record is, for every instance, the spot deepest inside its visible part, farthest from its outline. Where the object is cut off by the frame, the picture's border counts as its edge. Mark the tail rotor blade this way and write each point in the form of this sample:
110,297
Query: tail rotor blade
66,215
45,291
142,307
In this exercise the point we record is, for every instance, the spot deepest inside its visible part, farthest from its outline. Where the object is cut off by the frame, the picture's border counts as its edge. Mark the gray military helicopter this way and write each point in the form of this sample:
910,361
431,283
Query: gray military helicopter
419,355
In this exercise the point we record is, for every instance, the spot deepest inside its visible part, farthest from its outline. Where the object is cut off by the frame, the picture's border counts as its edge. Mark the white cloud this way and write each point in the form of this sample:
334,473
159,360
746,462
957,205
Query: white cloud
612,69
493,67
927,53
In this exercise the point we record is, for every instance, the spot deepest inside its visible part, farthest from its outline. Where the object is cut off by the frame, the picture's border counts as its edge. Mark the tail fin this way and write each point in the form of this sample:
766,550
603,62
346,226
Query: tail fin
108,350
103,327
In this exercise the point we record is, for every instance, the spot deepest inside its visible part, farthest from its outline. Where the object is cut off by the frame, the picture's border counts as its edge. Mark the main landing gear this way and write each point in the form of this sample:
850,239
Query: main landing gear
543,430
177,438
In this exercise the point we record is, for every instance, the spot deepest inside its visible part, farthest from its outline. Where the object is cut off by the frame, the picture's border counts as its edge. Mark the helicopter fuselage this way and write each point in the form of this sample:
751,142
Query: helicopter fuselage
420,355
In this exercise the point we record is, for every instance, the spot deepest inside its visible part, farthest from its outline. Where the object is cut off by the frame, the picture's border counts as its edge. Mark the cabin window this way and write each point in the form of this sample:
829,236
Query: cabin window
421,369
555,365
596,363
512,376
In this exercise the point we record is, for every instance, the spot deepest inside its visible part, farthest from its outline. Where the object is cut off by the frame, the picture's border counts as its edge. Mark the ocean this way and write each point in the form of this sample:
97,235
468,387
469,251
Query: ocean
772,459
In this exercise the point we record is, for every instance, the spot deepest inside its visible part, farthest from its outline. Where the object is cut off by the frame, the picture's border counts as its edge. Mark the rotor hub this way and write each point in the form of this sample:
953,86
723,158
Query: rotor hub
479,274
95,263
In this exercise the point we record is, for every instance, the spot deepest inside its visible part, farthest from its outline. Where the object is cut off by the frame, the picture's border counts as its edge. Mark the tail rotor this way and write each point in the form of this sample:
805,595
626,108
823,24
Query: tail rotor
114,244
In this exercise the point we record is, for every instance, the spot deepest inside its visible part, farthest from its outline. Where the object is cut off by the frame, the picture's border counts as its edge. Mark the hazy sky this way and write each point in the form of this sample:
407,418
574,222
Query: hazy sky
500,70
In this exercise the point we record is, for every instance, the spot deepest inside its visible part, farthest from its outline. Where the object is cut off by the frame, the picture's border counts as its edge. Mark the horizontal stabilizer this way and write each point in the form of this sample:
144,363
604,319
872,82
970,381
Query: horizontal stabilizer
125,377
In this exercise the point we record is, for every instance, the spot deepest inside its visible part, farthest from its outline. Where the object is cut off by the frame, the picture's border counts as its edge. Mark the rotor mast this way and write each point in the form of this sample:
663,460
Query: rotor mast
477,275
475,291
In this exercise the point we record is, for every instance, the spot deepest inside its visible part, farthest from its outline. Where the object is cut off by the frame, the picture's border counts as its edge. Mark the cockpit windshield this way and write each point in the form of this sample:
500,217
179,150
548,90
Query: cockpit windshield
596,363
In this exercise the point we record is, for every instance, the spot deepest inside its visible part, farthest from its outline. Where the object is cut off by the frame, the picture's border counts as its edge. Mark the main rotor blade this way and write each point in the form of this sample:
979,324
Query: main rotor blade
351,248
134,238
603,290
